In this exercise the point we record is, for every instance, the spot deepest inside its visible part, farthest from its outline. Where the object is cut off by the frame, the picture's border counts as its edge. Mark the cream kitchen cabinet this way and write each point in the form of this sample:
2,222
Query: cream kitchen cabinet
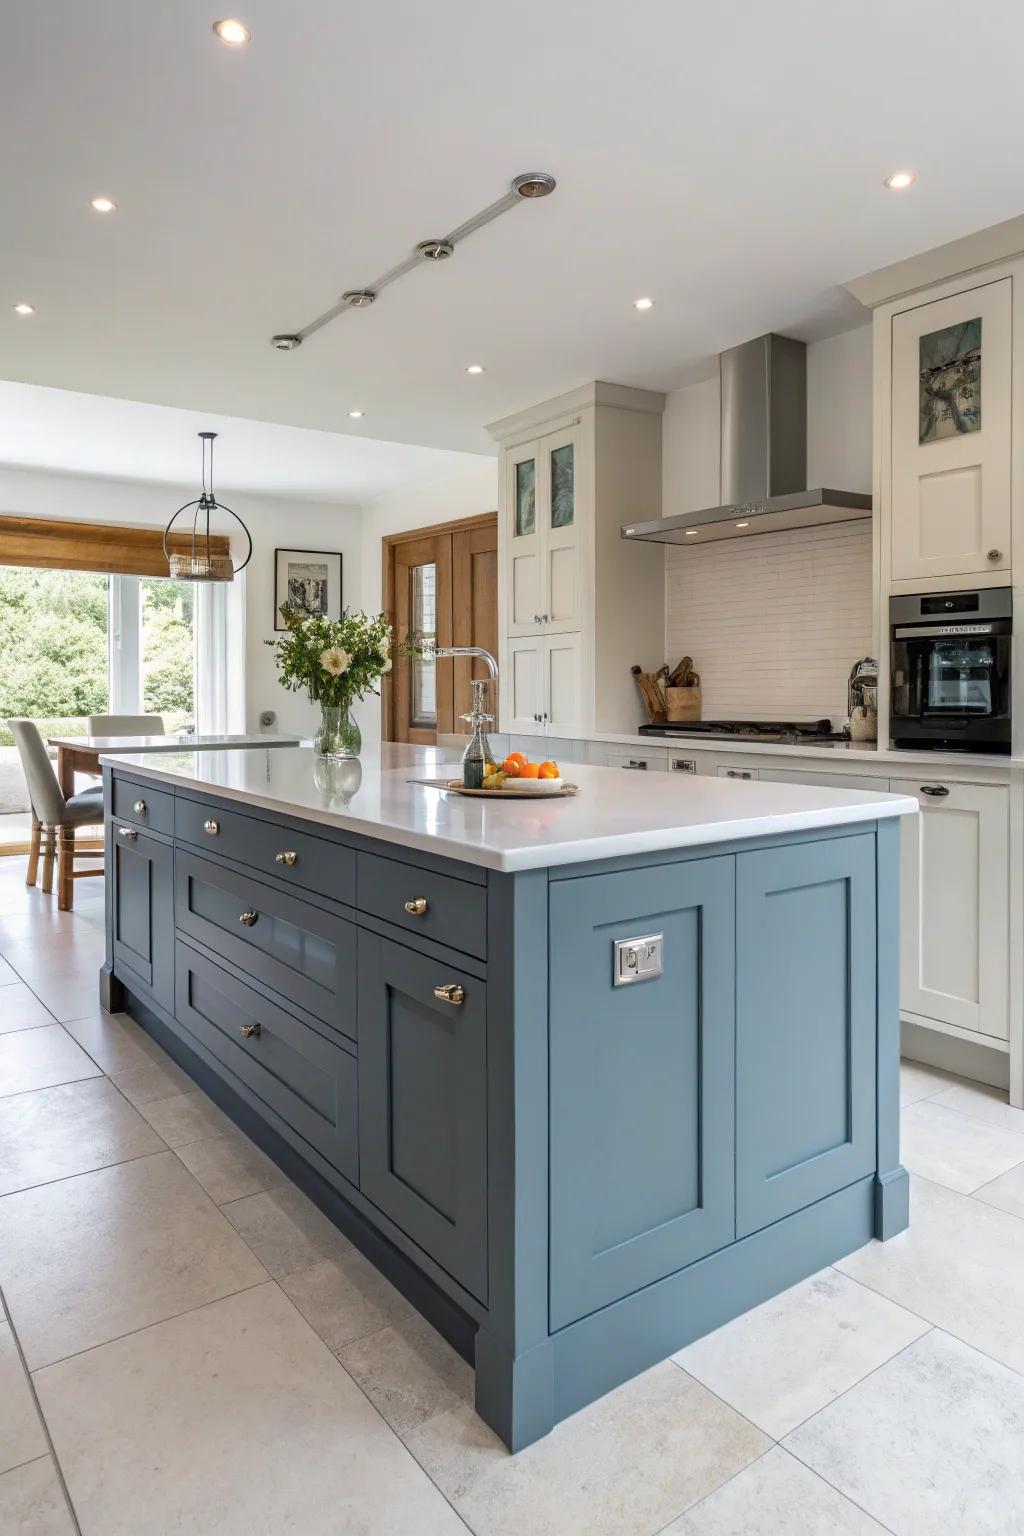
542,691
951,443
954,903
542,571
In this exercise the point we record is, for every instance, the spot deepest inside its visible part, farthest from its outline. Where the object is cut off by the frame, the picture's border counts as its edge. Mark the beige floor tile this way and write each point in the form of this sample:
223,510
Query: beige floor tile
8,977
624,1466
983,1103
68,997
56,1132
775,1496
92,1257
919,1081
21,1009
185,1117
229,1166
409,1372
114,1041
285,1229
41,1058
787,1358
345,1298
930,1445
32,1501
1007,1194
21,1434
954,1149
959,1264
235,1420
159,1078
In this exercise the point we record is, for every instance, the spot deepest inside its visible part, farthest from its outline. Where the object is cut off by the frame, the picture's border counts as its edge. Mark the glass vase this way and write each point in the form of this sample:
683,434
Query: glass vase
339,737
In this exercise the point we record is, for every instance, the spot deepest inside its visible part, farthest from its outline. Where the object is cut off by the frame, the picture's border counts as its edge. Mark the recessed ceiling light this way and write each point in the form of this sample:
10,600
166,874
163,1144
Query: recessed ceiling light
24,309
691,533
899,180
232,32
355,415
643,303
742,525
103,204
475,368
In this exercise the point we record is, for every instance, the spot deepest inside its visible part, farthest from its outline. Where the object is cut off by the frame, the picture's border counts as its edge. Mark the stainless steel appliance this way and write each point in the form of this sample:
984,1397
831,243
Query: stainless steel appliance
950,672
791,732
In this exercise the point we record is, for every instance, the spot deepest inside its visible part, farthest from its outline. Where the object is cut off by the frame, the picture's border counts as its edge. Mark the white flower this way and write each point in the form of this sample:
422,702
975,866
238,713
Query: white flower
385,647
387,664
335,661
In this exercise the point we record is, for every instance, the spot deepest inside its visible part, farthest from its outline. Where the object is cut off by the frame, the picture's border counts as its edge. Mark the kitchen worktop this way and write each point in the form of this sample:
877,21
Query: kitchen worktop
608,819
856,751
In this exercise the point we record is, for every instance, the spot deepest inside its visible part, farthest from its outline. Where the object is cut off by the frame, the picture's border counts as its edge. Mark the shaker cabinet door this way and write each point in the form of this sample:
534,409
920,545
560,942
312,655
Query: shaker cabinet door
951,435
142,901
523,687
562,705
522,533
641,1081
805,1024
423,1104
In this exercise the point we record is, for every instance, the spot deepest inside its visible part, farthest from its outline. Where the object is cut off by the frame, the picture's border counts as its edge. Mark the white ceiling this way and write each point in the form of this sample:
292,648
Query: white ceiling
62,430
725,158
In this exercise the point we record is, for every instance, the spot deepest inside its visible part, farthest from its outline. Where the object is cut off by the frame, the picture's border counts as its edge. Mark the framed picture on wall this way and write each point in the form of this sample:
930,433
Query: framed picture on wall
309,579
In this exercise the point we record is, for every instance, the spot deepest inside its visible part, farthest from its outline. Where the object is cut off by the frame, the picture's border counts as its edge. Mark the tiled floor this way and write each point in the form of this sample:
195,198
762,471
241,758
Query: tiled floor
187,1344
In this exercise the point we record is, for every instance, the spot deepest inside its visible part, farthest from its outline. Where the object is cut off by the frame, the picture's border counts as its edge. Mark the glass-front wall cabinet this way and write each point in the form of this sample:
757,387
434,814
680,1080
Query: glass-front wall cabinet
542,594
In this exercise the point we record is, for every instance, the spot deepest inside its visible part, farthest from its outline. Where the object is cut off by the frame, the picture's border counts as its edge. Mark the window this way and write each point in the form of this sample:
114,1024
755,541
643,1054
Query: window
423,607
168,652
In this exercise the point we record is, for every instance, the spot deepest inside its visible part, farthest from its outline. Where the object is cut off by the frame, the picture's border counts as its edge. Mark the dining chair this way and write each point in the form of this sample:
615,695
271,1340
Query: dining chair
55,819
126,725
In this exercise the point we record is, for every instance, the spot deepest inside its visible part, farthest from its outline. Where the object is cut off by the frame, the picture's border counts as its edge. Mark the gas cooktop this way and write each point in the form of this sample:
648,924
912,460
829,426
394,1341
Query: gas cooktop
785,731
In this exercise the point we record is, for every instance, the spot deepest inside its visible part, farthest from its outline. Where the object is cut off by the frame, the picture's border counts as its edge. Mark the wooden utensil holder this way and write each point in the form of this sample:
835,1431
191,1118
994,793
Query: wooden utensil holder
682,703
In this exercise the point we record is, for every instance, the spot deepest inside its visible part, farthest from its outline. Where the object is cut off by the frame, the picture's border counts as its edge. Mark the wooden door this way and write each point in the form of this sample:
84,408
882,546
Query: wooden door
806,1012
954,878
423,1104
951,450
439,583
641,1087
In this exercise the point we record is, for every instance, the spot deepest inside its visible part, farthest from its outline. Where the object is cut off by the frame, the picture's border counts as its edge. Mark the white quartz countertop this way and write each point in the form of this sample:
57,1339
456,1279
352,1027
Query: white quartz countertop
612,817
839,751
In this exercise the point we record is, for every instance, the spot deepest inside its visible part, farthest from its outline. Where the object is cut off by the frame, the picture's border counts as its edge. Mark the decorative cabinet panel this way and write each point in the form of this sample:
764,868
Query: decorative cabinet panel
955,903
543,579
522,690
423,1103
641,1165
142,902
543,685
805,1025
951,435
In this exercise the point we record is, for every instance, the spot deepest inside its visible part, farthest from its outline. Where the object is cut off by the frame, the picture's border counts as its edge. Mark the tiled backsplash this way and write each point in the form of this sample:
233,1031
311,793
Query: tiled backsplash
773,622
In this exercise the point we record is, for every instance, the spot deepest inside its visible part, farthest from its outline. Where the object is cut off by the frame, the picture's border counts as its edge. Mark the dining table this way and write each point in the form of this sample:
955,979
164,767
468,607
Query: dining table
81,754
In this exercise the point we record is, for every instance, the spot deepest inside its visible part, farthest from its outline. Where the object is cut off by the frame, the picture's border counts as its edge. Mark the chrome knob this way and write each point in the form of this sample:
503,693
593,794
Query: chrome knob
450,993
416,906
286,857
995,554
248,917
128,833
211,826
250,1031
936,791
139,807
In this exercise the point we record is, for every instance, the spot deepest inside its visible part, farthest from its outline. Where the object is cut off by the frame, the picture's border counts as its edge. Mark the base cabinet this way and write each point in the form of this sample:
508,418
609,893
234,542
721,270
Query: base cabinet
544,685
423,1103
955,898
142,910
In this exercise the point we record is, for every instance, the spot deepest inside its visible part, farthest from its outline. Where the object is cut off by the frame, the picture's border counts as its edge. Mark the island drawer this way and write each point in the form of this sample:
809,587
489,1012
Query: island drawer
305,1079
306,954
142,806
299,858
441,907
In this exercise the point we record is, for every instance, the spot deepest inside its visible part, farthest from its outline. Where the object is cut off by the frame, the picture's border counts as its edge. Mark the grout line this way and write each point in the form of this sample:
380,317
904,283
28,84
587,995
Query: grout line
40,1415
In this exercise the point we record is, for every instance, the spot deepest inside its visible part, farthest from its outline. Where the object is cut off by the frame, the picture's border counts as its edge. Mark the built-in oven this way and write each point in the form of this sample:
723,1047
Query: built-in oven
950,674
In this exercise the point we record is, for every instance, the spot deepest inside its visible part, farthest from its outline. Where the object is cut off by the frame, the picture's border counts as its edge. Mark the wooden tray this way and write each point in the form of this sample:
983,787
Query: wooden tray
561,793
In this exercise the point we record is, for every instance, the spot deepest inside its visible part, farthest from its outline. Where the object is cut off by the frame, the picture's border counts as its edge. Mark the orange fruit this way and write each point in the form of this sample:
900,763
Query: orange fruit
529,771
513,765
518,757
548,770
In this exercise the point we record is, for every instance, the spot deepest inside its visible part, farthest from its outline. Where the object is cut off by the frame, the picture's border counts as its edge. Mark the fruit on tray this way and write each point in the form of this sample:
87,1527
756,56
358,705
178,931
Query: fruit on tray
495,780
530,771
518,766
548,770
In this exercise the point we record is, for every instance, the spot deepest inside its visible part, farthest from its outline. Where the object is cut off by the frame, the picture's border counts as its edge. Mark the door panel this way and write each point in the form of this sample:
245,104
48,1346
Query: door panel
524,685
951,488
474,613
562,665
560,597
423,1104
526,500
421,604
143,913
641,1176
805,1025
954,877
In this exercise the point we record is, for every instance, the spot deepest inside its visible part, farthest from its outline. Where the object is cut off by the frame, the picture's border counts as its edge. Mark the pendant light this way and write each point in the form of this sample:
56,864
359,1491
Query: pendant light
200,562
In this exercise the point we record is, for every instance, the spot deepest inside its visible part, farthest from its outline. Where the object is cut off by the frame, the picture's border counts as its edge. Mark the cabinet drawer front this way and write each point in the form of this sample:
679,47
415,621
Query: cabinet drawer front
306,954
806,1011
304,1078
423,1105
142,913
454,911
641,1084
142,806
303,860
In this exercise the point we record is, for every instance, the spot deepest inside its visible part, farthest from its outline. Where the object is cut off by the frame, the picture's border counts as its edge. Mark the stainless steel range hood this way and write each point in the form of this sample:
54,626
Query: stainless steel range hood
763,455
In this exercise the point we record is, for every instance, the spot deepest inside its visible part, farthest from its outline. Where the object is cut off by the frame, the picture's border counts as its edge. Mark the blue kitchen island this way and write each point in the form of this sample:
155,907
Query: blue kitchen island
584,1077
